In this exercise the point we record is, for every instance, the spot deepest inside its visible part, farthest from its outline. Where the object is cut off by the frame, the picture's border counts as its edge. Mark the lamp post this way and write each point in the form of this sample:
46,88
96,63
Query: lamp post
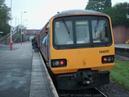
0,36
127,15
11,40
21,26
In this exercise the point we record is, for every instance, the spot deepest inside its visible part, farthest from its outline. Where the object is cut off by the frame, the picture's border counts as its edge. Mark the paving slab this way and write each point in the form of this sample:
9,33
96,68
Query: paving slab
39,80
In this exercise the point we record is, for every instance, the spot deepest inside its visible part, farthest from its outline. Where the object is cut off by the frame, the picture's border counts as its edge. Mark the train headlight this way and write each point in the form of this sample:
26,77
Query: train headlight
108,59
59,63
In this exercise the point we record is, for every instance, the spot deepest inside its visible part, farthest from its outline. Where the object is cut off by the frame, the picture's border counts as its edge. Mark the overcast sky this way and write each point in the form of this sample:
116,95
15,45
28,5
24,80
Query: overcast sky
35,13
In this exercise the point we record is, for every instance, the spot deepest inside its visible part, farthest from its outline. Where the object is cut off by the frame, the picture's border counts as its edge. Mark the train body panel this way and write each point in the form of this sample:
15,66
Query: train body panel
83,58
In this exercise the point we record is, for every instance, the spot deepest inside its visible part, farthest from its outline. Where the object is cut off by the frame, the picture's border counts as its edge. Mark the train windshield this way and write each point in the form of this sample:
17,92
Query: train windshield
82,31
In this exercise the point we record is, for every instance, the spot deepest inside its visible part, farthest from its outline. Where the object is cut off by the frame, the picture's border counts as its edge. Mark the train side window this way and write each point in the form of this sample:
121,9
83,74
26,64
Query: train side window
42,38
45,40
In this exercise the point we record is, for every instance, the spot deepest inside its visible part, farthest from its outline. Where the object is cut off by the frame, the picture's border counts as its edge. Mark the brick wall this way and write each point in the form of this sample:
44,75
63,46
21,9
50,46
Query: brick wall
121,34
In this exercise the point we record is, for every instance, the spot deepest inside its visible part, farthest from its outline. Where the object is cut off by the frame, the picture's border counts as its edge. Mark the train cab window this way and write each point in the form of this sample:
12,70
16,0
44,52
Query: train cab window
82,32
63,33
100,31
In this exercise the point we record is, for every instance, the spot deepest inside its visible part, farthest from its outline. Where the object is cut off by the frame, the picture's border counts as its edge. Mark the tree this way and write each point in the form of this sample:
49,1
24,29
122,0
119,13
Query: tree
4,18
98,5
118,14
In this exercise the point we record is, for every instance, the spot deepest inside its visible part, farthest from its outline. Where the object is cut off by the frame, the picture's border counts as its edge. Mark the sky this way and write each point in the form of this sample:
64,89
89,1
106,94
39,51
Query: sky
35,13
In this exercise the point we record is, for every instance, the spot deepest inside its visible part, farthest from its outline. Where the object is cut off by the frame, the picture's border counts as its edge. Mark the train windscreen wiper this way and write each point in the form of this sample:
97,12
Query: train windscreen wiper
66,26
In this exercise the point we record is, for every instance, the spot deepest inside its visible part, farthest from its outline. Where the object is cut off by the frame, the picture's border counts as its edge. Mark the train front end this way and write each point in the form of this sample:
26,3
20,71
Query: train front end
81,49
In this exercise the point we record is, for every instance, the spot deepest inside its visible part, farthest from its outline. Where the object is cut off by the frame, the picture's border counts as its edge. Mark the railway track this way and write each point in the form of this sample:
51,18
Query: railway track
122,52
94,92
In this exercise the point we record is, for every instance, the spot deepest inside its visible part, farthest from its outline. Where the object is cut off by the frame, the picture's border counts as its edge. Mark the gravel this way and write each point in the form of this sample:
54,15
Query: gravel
114,90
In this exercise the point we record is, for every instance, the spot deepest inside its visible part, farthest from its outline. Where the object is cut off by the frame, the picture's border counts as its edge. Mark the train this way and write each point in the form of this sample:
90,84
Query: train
78,49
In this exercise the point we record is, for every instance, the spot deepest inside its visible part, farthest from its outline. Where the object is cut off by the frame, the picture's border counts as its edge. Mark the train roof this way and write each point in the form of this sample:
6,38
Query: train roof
78,12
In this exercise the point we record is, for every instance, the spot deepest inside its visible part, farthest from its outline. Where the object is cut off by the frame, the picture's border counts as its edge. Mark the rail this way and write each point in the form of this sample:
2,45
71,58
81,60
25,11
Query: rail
94,92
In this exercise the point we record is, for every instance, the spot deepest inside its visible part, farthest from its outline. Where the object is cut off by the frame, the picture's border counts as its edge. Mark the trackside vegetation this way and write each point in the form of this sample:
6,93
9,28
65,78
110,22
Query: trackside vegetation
120,73
4,18
119,13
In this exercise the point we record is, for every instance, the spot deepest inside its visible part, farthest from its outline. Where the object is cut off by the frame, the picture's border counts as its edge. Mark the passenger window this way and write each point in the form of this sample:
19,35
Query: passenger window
45,40
45,34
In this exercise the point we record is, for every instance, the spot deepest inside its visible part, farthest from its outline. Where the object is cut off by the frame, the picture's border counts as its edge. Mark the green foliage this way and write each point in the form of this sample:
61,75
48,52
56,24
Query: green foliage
98,5
120,73
118,14
4,18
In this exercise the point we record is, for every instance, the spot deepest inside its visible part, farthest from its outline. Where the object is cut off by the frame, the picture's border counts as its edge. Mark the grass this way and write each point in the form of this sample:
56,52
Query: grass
120,73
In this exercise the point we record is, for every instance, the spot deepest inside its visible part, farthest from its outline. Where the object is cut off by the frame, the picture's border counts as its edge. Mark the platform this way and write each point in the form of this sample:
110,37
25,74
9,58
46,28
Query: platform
41,83
23,73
